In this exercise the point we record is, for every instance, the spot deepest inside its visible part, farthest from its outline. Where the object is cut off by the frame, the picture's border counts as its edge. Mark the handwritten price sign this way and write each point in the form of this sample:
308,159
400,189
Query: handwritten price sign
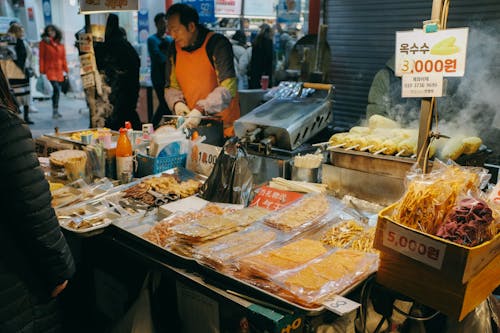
440,52
274,199
413,245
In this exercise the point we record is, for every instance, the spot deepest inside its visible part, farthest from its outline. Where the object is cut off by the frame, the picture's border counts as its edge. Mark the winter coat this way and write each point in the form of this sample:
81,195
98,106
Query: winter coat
121,65
242,57
53,60
261,63
34,255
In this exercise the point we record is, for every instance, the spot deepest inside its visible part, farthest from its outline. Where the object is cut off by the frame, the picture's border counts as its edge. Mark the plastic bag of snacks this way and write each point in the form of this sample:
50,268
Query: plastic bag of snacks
429,197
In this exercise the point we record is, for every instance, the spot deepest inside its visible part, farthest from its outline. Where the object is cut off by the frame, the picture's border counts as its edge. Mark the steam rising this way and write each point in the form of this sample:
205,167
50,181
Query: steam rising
472,104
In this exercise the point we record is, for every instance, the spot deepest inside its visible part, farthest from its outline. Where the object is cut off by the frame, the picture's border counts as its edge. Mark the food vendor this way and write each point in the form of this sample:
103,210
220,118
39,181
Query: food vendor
202,79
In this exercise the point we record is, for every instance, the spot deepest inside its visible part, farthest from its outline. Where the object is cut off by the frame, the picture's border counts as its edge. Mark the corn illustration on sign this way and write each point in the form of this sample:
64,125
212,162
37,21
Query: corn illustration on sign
442,52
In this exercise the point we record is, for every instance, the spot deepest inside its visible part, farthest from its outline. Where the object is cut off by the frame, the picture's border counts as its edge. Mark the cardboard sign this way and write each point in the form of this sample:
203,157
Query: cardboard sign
274,199
413,245
202,158
423,53
85,43
427,85
87,63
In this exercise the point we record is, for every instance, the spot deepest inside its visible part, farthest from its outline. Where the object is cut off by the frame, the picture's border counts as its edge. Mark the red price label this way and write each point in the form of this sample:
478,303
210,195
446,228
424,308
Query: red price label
413,245
274,199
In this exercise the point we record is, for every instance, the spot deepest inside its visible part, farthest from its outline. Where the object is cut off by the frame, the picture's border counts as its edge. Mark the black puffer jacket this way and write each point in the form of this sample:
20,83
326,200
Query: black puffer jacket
34,255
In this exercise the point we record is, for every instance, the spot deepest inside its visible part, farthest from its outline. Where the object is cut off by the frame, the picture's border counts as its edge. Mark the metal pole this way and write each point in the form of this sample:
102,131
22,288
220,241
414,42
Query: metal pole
242,16
426,108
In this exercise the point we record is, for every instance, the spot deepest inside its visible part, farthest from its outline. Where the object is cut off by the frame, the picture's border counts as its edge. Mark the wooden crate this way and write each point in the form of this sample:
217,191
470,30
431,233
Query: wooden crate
448,277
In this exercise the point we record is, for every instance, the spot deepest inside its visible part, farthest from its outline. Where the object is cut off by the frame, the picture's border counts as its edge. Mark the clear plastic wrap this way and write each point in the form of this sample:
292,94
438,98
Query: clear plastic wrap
162,232
326,276
303,213
221,253
269,262
429,197
212,227
470,222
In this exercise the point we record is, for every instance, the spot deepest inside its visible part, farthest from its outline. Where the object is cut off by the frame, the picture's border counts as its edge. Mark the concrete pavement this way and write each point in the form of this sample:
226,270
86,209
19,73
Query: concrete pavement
74,111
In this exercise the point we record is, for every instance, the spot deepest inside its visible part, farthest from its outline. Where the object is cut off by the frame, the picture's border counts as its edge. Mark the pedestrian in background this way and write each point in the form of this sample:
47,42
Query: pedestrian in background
53,63
35,260
262,57
242,55
23,59
121,65
158,45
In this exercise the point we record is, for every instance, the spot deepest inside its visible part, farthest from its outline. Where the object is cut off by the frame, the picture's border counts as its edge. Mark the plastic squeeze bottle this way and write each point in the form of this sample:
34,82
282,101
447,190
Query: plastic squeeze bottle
124,157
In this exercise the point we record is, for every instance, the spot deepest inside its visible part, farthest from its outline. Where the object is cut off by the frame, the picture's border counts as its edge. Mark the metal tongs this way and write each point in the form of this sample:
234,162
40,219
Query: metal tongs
161,198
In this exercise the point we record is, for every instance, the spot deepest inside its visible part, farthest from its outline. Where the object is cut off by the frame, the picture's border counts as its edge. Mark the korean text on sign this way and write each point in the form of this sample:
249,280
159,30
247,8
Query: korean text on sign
441,52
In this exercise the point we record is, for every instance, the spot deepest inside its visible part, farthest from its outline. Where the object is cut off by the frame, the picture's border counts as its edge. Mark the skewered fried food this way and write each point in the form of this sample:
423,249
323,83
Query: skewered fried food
452,149
407,147
471,144
390,146
337,139
374,143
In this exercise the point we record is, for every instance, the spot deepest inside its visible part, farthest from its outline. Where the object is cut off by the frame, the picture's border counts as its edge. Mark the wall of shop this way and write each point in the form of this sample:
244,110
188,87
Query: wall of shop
362,37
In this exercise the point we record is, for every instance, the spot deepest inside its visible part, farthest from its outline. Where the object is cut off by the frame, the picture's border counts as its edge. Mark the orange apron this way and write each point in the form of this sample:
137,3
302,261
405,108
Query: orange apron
197,78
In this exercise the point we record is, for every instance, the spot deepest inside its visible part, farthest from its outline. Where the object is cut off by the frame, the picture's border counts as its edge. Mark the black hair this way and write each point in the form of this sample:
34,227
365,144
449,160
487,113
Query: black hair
187,14
264,33
240,37
159,17
58,36
112,31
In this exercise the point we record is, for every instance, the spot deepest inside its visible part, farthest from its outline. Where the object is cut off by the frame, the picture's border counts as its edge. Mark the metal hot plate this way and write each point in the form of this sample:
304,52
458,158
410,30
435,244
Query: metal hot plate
289,121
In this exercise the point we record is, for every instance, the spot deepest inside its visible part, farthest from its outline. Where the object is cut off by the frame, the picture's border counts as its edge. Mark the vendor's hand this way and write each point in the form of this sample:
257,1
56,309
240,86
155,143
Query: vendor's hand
192,119
181,109
58,289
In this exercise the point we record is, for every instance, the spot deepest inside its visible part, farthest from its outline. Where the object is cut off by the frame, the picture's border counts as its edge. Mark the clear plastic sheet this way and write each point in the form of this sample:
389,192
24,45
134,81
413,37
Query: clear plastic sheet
302,214
326,276
429,197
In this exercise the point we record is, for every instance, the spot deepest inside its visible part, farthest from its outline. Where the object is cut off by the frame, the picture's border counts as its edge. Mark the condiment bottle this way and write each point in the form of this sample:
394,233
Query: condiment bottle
124,157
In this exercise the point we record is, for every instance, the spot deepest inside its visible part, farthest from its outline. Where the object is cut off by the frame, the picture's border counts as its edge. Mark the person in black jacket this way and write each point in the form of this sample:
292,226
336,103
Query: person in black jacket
35,260
262,57
121,65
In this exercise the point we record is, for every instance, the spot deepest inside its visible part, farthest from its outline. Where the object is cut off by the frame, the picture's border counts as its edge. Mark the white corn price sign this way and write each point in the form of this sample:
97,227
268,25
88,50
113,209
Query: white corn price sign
442,52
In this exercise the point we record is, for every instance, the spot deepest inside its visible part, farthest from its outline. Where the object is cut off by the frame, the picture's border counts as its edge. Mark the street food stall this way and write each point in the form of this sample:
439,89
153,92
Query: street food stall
303,253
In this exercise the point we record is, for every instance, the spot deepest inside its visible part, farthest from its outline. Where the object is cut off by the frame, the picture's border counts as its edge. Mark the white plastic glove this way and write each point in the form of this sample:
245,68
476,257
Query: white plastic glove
181,109
192,119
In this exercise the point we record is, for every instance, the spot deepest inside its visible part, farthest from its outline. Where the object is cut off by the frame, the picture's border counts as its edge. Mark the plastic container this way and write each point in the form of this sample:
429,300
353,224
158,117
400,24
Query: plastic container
148,165
124,158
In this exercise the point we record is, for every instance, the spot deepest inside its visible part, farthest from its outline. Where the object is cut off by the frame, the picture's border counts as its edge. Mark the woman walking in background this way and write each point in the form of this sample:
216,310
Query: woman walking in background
262,57
23,56
53,63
